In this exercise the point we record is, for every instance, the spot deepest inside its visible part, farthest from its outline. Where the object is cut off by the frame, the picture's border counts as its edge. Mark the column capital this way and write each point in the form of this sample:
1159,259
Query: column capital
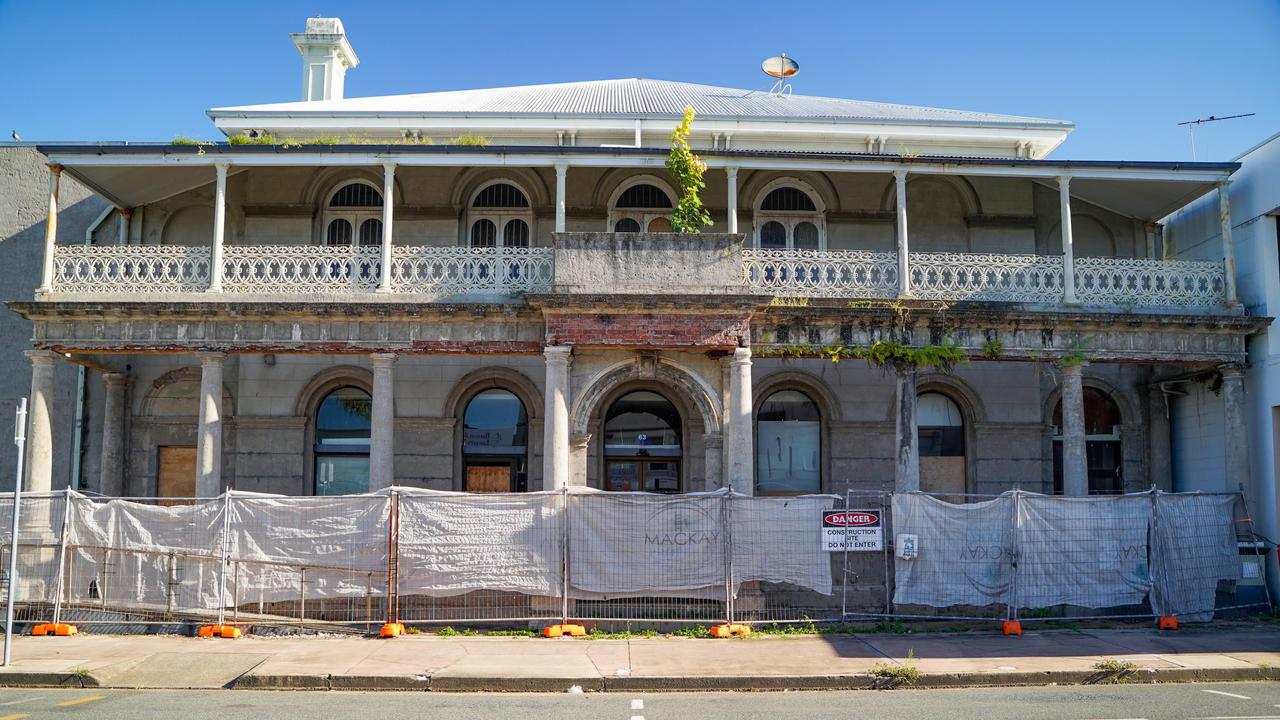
741,356
1064,181
211,359
222,168
1073,369
1224,185
731,171
561,168
389,167
115,379
558,354
55,168
579,441
383,360
1231,370
124,212
900,174
42,356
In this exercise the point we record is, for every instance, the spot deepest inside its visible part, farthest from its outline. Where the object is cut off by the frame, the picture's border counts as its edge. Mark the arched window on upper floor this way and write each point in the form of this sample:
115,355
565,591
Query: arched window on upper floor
788,217
644,205
499,215
353,215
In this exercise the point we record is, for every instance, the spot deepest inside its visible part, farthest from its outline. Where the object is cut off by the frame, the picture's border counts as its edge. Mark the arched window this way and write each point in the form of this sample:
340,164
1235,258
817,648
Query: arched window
1102,444
499,210
342,442
788,218
495,443
940,431
354,213
643,206
643,444
788,445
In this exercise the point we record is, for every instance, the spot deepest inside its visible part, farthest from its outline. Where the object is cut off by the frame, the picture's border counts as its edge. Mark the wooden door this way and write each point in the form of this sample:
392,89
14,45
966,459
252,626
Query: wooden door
489,478
944,475
176,473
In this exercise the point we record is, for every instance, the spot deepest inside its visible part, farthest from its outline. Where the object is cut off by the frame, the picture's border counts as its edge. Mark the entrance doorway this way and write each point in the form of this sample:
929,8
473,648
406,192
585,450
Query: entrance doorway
643,444
495,443
176,472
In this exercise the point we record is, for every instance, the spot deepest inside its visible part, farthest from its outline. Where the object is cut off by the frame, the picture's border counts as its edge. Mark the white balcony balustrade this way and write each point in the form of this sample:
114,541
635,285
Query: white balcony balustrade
445,271
1161,283
991,277
822,273
300,269
130,269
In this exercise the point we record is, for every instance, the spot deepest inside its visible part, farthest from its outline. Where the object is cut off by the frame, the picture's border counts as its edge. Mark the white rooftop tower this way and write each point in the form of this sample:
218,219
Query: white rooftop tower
326,55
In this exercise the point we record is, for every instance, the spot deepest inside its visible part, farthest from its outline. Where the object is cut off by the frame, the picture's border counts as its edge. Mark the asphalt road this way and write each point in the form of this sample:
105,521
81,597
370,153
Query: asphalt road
1217,701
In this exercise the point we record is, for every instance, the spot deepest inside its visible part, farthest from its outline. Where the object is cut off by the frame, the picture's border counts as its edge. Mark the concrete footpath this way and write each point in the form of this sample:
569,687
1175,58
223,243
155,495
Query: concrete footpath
1233,652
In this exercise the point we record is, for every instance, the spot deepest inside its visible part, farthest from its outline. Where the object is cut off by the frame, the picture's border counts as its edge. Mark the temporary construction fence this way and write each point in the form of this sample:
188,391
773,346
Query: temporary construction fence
423,557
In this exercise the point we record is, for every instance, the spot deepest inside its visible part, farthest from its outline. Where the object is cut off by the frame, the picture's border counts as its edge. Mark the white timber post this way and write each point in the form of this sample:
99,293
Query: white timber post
388,221
382,451
219,229
738,440
904,264
1075,462
125,215
1068,250
50,228
1228,247
209,431
555,433
732,173
562,171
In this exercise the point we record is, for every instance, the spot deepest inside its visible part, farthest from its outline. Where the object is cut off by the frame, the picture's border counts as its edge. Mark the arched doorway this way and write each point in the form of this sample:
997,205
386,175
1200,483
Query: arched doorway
1102,444
643,444
940,432
495,443
788,445
342,442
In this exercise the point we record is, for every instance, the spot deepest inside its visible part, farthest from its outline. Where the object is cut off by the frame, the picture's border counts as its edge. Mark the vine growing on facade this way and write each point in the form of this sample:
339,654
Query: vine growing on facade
686,167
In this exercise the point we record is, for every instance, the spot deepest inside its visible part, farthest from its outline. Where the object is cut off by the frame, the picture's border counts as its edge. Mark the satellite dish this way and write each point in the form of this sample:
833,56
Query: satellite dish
782,68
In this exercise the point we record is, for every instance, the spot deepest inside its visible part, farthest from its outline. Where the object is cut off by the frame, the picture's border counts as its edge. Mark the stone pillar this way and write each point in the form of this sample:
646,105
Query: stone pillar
1159,444
50,229
1237,431
209,431
111,472
219,227
125,215
1149,232
1228,246
906,474
388,222
904,264
562,170
1075,463
732,173
713,445
555,447
1068,250
739,438
40,417
382,450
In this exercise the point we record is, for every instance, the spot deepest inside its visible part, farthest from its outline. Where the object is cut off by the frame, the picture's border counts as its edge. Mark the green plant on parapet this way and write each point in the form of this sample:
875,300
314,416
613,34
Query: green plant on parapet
242,139
468,140
991,349
786,301
1075,354
896,354
690,216
898,675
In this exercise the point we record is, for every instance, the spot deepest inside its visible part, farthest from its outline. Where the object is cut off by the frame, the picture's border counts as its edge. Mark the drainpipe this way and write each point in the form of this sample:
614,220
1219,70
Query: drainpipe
77,437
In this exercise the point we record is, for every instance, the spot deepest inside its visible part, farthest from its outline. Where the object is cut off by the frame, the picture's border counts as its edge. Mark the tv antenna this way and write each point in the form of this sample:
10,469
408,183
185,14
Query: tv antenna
782,68
1191,126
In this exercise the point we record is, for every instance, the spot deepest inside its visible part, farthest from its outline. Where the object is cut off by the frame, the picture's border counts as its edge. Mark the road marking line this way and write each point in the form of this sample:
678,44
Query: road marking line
633,717
69,703
1227,694
19,702
637,704
18,716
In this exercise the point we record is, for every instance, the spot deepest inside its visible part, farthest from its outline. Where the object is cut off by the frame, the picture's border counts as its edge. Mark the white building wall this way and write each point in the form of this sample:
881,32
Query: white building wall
1198,441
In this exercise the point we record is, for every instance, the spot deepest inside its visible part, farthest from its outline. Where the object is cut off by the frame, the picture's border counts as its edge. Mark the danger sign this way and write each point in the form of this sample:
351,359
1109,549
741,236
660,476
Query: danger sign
852,530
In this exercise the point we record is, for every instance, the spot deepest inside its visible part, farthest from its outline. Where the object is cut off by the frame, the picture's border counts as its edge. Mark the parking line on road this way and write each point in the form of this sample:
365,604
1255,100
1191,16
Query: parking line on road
637,704
1219,692
18,716
78,701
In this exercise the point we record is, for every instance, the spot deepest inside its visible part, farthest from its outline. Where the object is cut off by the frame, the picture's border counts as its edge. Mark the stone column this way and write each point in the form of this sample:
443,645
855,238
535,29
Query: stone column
1075,463
1228,246
40,417
111,472
713,444
555,436
50,229
904,257
209,431
219,227
1237,438
739,440
906,474
1068,250
732,173
562,170
125,215
1158,439
388,222
382,451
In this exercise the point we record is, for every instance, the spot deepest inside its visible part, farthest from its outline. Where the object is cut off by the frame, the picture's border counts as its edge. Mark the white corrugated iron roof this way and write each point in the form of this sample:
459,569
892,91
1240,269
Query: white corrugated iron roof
638,97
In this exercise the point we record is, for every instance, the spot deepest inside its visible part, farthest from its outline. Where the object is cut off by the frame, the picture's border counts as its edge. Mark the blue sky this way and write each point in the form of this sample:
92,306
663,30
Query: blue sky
1126,72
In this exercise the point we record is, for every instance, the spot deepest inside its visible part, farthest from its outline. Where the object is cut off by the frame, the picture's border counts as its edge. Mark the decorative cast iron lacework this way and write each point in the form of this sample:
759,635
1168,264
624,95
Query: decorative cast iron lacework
451,270
300,269
822,273
130,268
1123,281
987,276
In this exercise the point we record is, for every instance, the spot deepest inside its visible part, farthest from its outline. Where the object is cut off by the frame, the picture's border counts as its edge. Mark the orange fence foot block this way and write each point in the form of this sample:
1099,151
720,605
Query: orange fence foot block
391,630
729,629
59,629
1167,622
223,631
567,630
1012,627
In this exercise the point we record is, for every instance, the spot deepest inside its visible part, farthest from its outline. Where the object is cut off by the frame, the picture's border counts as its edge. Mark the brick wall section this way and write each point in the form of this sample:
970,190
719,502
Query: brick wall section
657,329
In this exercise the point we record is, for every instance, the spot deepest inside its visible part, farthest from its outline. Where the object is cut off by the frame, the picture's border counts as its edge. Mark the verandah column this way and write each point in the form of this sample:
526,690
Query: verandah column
40,437
50,229
382,451
111,472
1075,462
555,433
904,264
738,436
1068,249
561,171
732,189
1237,439
1228,246
388,221
906,474
209,429
219,227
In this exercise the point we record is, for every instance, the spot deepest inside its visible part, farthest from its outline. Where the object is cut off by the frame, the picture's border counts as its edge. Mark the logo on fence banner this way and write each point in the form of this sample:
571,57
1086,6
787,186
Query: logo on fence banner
679,525
852,530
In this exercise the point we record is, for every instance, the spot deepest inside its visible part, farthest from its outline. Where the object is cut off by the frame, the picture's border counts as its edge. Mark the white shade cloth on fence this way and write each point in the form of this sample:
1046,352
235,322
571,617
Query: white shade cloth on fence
963,551
1197,538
